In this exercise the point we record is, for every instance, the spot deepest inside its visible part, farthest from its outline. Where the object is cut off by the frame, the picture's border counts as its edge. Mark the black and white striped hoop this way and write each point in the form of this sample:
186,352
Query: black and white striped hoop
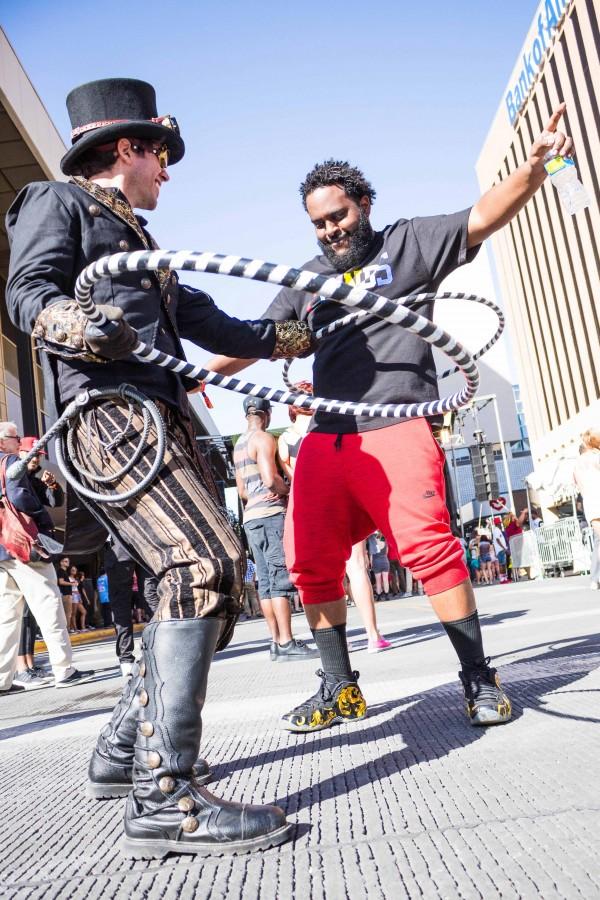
409,301
298,280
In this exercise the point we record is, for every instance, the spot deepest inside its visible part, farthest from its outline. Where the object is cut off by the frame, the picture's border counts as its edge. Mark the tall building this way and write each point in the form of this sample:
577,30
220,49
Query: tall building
548,262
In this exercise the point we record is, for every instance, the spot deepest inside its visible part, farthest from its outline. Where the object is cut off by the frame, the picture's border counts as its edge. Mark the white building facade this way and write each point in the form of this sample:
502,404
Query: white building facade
547,261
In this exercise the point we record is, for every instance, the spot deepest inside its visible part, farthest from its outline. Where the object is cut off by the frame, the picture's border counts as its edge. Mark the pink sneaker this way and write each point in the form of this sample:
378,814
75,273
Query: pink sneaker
379,645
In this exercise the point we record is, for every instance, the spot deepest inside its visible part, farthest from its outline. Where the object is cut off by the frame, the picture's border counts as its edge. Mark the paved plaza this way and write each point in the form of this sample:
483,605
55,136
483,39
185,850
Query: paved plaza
410,802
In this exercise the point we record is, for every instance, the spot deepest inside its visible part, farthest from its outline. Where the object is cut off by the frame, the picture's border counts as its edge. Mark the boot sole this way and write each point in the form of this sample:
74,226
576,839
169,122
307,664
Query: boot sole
305,729
489,717
96,791
136,848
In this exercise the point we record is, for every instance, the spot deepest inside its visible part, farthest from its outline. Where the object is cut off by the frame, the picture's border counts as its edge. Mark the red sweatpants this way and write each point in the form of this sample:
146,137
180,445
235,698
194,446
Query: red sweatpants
345,488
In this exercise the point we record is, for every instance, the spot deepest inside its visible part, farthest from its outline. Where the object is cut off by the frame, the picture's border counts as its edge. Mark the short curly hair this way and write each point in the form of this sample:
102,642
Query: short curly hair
337,171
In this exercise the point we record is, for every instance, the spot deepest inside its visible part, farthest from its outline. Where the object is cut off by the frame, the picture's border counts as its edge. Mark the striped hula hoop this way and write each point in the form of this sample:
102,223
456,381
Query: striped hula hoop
298,280
409,301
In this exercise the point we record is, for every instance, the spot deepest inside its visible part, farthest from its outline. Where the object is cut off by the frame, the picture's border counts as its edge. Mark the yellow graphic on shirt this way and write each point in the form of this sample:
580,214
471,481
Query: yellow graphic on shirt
370,276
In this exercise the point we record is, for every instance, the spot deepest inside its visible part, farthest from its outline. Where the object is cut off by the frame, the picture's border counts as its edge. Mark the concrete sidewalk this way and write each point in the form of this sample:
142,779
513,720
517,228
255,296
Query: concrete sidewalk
410,802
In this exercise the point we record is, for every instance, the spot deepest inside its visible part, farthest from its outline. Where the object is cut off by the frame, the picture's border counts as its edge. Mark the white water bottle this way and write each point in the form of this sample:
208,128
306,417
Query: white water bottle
563,175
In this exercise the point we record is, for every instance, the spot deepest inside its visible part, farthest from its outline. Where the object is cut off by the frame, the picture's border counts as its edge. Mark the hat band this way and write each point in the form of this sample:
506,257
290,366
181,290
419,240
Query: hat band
158,120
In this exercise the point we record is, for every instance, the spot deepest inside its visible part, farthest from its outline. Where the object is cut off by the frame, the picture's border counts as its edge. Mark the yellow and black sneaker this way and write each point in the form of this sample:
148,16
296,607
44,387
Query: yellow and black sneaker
335,701
487,704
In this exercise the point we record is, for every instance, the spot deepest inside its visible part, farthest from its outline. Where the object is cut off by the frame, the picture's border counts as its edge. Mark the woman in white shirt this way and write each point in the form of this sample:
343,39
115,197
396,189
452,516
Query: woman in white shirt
587,480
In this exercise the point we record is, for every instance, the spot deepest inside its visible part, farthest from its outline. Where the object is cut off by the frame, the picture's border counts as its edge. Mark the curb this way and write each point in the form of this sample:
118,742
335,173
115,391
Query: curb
87,637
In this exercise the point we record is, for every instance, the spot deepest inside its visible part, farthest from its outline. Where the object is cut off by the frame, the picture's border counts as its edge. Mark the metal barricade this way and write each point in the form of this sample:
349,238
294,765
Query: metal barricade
562,545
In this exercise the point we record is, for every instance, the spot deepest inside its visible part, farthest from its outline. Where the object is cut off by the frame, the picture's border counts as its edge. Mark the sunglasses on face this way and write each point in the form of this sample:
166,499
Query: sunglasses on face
161,153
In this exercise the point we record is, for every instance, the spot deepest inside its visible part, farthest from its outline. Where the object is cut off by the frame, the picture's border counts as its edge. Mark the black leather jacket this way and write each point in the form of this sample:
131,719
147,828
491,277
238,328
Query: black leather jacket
55,230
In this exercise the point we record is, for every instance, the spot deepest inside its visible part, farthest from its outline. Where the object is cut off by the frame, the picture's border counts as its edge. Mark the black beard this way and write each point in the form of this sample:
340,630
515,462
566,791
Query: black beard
360,243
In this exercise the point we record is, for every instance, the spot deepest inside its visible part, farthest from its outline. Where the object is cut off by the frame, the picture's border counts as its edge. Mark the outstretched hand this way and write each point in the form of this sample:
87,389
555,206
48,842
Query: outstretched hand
551,142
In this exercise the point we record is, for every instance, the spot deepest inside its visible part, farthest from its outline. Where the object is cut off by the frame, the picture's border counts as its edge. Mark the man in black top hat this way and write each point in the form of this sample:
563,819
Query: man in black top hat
118,161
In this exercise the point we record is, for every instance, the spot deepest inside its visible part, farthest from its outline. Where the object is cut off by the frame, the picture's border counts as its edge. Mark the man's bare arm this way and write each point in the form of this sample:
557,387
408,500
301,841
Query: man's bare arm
283,452
241,487
228,365
265,448
502,202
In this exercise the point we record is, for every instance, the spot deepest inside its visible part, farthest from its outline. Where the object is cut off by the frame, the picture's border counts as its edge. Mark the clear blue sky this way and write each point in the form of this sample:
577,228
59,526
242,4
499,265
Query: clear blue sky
262,91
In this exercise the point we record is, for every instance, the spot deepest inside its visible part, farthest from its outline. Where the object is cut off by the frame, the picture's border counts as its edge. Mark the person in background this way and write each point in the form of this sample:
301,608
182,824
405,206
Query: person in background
587,479
398,578
513,524
28,674
361,589
43,482
66,588
263,492
50,494
120,568
501,549
104,598
251,603
33,581
475,564
380,565
88,595
288,443
536,519
77,607
485,558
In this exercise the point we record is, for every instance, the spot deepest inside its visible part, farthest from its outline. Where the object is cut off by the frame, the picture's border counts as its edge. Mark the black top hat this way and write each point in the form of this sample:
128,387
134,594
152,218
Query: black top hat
104,111
256,404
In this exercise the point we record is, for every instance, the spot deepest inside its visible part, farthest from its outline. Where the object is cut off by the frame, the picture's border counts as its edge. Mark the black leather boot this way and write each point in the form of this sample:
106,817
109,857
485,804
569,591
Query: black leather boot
167,810
110,768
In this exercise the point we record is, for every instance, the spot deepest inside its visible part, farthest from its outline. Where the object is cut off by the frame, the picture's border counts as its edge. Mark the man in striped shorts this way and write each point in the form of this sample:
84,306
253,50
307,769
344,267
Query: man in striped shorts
175,527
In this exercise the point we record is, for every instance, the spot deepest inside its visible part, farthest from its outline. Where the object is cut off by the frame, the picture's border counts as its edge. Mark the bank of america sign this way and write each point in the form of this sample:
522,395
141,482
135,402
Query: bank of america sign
548,17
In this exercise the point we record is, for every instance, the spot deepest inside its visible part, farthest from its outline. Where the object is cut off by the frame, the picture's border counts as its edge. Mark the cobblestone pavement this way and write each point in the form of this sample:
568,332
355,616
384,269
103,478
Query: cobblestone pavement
410,802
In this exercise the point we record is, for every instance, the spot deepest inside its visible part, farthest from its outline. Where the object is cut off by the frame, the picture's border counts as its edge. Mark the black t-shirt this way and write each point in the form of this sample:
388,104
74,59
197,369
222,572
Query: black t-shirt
373,361
66,590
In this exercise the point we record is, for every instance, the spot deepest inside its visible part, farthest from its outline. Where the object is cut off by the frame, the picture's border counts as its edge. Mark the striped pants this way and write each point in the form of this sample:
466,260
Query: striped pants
175,527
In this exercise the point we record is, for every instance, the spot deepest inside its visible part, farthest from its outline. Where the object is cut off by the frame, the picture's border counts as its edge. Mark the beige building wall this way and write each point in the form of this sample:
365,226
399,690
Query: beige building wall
548,261
30,150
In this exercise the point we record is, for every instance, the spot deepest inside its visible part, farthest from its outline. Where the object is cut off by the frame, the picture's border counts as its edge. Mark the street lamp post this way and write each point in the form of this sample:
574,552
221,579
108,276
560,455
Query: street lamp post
492,397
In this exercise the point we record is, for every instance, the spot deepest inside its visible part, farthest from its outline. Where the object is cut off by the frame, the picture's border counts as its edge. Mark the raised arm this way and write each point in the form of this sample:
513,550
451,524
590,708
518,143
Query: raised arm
502,202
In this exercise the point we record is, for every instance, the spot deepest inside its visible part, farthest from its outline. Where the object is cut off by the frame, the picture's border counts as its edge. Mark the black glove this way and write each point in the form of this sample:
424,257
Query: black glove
119,343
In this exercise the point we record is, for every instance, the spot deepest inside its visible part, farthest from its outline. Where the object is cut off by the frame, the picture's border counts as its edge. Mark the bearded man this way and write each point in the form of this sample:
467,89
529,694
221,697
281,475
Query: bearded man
355,474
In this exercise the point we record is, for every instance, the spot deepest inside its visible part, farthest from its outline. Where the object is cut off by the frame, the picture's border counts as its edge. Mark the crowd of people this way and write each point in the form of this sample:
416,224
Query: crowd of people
29,594
487,549
354,477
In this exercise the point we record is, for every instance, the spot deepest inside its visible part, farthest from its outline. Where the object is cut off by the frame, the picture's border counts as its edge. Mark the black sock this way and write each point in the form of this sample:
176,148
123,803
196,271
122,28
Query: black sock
333,647
465,635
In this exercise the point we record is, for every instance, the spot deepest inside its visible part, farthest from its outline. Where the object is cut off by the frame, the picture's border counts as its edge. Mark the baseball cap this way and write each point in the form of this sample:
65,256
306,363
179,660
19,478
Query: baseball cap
27,444
256,404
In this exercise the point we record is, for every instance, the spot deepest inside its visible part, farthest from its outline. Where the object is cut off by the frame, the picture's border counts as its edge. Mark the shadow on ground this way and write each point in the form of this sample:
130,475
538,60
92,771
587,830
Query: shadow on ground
431,723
